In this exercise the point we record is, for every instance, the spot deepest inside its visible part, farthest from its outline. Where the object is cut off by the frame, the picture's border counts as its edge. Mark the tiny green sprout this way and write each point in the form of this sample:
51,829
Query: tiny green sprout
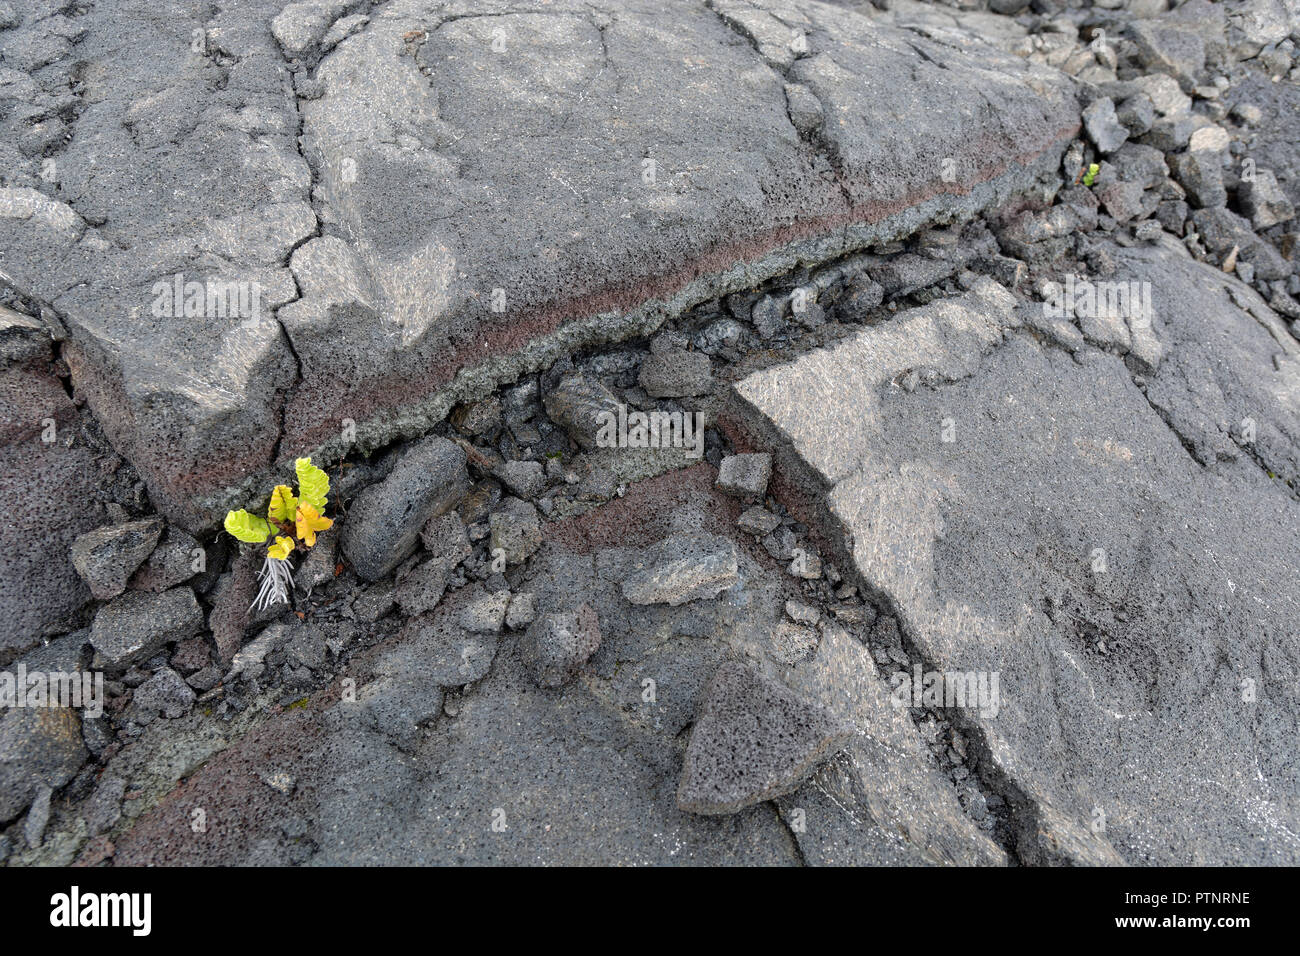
1091,174
297,519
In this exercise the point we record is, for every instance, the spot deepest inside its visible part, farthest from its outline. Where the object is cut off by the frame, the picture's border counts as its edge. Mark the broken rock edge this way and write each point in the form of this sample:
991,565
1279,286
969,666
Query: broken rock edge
610,327
805,494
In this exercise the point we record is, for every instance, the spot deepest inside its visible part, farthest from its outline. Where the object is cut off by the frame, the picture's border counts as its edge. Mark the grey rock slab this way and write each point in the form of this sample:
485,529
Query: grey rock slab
884,781
753,740
681,568
437,648
107,557
383,525
1069,542
192,398
132,628
390,284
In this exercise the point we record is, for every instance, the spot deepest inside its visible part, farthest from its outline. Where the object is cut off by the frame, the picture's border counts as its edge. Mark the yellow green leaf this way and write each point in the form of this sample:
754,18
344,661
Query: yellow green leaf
309,522
313,484
283,504
247,527
280,550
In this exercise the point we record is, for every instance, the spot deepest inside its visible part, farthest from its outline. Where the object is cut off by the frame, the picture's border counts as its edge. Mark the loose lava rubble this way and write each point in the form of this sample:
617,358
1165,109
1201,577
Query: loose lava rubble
520,645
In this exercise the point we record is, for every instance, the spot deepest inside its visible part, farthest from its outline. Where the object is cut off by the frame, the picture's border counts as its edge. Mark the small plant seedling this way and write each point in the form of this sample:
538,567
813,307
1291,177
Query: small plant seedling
1091,174
295,522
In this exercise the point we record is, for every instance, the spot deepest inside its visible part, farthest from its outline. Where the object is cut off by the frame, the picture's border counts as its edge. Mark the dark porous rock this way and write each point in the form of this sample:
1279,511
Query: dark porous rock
177,558
420,589
137,625
39,747
676,373
754,739
863,296
444,537
107,557
383,525
556,645
1263,200
578,404
164,694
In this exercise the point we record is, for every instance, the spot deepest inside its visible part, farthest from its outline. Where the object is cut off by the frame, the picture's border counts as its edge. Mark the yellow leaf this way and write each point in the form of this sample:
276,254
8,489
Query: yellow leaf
280,550
283,504
309,522
313,484
247,527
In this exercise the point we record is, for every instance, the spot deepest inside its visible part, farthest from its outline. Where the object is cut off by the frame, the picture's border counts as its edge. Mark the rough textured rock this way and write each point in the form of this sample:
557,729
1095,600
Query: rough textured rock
516,530
39,747
137,625
384,522
165,694
393,325
557,645
745,476
753,740
44,488
676,373
1096,584
107,557
682,568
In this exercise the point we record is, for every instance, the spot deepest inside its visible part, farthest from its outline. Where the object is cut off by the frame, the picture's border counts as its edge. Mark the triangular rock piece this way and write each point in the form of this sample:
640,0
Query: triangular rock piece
754,740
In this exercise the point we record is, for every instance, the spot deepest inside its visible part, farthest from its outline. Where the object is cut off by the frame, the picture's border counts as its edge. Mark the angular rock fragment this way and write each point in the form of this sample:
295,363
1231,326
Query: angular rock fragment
753,740
745,476
107,557
177,558
165,694
579,404
556,646
1104,127
676,373
1263,200
421,588
138,624
758,521
39,747
486,614
516,530
681,568
384,522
